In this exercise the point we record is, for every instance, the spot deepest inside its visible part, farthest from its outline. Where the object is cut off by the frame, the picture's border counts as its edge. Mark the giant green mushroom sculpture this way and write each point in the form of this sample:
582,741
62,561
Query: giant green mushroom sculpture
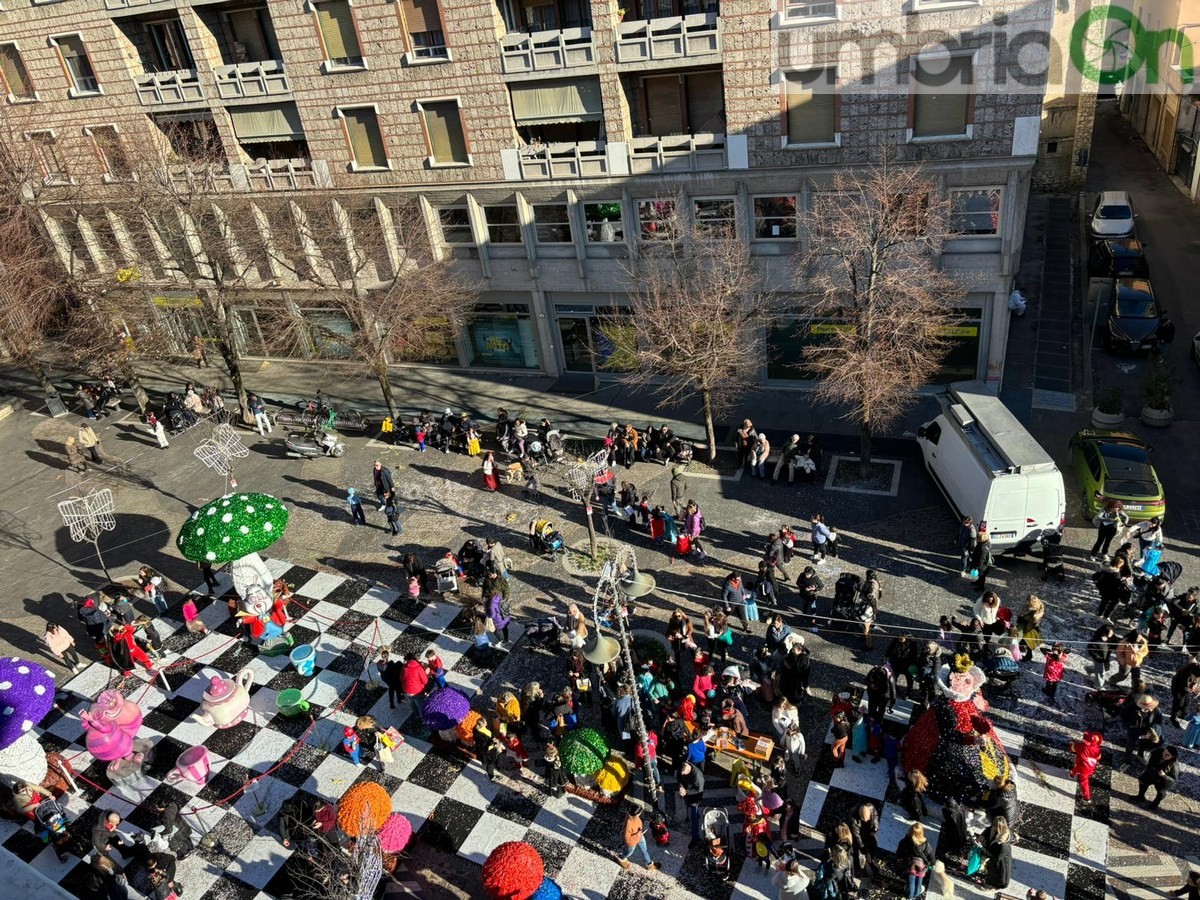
232,529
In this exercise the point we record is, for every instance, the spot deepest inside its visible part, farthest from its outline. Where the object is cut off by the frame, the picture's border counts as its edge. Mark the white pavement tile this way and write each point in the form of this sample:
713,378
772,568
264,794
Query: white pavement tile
195,686
277,567
437,615
376,601
468,684
1044,785
198,874
1034,871
262,705
814,799
866,778
213,615
1089,843
415,802
258,861
450,649
321,616
332,777
754,883
329,647
261,801
328,688
91,681
47,864
489,832
405,758
587,875
473,788
192,733
265,750
319,586
69,727
135,790
564,817
1013,742
264,668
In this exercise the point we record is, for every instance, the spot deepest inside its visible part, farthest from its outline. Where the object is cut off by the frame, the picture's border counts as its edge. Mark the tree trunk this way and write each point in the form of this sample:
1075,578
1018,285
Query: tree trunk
591,526
131,376
709,428
385,388
40,373
864,448
232,360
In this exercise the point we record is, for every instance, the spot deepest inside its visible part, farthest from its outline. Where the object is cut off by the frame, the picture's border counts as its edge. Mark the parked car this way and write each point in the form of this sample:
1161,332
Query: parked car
1135,320
1118,258
1115,465
1112,216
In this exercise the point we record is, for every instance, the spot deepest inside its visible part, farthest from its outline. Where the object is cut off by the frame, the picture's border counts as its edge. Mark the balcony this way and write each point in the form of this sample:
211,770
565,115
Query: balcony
546,52
120,6
677,153
577,159
285,175
252,79
683,38
160,88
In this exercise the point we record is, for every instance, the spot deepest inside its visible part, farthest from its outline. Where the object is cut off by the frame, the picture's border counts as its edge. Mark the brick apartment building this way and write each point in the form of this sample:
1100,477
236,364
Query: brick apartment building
540,136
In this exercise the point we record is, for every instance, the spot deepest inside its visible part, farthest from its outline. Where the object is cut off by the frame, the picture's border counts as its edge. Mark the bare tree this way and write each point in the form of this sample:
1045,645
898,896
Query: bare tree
871,274
373,263
696,316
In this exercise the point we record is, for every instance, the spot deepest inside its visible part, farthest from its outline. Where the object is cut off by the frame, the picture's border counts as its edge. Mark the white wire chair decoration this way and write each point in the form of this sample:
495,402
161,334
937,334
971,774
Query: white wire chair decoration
581,477
89,517
219,451
367,857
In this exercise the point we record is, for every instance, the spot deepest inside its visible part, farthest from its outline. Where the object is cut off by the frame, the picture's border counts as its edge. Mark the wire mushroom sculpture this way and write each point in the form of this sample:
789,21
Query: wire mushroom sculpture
582,479
89,517
220,450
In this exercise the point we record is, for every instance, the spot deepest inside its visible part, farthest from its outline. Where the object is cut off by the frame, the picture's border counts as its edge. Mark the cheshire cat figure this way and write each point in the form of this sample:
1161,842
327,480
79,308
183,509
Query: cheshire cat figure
112,725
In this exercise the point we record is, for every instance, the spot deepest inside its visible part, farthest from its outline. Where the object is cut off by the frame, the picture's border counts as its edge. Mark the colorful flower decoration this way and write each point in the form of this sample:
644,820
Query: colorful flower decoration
466,728
231,527
612,777
548,891
584,751
395,833
513,871
445,708
26,695
364,805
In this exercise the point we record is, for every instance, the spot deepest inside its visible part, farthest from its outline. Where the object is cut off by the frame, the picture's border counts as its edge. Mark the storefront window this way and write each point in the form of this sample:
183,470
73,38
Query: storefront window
502,224
654,217
552,222
329,332
715,216
503,336
435,344
604,223
962,362
774,218
456,225
976,211
249,336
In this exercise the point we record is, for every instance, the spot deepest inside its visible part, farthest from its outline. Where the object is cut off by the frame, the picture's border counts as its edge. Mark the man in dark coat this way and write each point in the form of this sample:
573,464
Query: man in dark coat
104,835
381,475
392,672
1185,687
175,830
1162,771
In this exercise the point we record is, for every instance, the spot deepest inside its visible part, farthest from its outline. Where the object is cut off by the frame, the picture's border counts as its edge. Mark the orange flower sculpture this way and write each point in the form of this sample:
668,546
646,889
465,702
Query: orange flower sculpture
365,805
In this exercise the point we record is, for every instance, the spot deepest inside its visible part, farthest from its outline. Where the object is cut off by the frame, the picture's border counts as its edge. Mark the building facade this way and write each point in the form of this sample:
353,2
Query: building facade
541,139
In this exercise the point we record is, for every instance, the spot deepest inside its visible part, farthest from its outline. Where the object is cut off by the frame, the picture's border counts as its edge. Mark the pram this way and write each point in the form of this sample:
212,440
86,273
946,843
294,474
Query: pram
1051,564
544,539
1109,701
845,597
544,633
1002,673
50,824
715,827
446,573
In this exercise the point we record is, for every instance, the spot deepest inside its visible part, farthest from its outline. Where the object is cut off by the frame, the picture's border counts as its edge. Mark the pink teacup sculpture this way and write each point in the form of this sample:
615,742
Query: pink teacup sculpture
192,765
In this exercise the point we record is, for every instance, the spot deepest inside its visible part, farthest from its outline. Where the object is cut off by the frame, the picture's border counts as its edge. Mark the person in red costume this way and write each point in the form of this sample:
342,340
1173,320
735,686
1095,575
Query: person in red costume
126,651
1087,757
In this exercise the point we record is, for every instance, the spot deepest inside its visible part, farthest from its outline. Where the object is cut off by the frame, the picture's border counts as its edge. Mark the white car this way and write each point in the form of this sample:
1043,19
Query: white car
1113,216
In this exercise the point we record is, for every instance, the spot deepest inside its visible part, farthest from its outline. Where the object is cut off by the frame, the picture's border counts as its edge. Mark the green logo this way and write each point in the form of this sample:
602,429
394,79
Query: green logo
1109,45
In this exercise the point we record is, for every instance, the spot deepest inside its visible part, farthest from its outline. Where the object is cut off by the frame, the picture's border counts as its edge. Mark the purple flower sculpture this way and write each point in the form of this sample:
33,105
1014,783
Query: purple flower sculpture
445,708
26,695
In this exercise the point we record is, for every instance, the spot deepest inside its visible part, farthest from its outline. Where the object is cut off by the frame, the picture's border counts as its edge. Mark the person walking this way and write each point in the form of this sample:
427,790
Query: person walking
981,558
1162,772
75,460
105,837
1148,534
693,527
62,645
499,618
88,441
392,673
1131,653
1087,758
381,477
490,481
391,509
1052,675
1109,521
790,880
156,429
967,536
357,516
870,595
691,789
1100,649
759,454
820,538
262,421
678,488
635,838
414,680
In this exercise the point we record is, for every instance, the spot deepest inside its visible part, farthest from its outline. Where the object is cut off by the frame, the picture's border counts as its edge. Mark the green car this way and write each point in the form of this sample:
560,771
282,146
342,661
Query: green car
1115,465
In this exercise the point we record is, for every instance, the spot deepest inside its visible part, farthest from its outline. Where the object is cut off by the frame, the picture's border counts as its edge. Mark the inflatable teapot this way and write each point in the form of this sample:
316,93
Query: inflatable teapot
227,701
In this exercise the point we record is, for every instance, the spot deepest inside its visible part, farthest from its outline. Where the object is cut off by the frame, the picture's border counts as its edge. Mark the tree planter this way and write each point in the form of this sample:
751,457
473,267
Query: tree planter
1105,419
1157,418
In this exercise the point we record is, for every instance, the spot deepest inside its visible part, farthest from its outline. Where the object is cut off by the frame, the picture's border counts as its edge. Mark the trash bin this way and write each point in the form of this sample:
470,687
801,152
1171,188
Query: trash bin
55,405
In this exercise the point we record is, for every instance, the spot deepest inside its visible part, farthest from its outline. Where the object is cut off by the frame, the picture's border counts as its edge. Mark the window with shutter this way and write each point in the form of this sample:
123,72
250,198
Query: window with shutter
13,72
664,112
337,32
112,152
79,67
812,106
421,16
942,97
443,125
705,103
366,140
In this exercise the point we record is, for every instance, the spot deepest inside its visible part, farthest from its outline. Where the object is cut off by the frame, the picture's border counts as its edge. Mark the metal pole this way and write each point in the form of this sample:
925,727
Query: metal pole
99,556
639,722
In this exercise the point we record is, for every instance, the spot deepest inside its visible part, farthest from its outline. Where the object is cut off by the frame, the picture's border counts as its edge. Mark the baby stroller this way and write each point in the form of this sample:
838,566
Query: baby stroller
50,824
544,539
715,826
1002,673
1051,564
446,574
1109,701
845,597
544,633
682,451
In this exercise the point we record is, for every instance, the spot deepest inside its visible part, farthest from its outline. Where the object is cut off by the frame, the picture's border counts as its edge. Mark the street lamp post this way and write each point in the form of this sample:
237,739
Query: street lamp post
621,580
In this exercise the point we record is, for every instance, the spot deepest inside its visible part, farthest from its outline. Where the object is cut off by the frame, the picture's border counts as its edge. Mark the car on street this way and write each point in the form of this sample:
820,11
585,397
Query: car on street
1112,217
1115,465
1135,320
1118,258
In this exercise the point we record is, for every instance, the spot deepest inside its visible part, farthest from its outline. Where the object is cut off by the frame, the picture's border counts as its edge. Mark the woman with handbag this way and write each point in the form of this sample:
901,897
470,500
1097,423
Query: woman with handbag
681,633
997,854
916,858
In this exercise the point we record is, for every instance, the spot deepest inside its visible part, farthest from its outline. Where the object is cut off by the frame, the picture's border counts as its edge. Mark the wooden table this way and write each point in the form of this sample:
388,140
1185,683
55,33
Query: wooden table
757,747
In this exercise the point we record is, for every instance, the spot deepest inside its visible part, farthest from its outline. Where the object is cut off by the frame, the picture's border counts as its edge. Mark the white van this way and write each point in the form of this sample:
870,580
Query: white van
990,468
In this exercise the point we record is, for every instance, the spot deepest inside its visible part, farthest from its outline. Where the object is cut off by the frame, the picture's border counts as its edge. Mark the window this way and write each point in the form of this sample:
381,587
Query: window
604,223
168,46
423,23
774,218
429,45
444,131
54,167
78,66
338,34
797,11
111,151
194,139
714,216
456,225
14,77
933,433
654,217
942,101
976,210
553,223
252,34
366,140
811,107
502,224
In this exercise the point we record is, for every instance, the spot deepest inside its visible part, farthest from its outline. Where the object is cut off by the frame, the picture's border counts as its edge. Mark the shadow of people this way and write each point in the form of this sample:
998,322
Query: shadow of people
54,462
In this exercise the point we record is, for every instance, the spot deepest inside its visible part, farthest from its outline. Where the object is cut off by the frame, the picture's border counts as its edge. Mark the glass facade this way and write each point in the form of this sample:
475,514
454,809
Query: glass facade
502,335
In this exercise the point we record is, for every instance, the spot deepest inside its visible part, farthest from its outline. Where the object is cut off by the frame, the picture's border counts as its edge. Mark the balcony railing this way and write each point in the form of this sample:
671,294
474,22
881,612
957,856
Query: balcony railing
584,159
118,5
677,153
287,175
681,37
252,79
157,88
547,51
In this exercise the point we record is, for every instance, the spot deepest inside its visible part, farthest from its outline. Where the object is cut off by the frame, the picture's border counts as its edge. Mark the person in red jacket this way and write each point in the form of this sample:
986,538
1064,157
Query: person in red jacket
1087,757
1053,673
126,651
414,679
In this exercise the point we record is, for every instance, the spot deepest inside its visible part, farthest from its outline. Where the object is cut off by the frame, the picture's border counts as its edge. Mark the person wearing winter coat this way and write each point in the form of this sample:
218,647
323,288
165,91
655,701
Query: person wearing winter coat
790,451
916,857
881,692
790,879
981,559
997,851
987,611
499,619
1109,521
87,440
777,634
808,586
414,679
1100,649
759,454
734,593
1131,653
1162,772
864,829
967,536
1087,758
60,642
901,656
1185,689
173,828
913,797
693,527
678,487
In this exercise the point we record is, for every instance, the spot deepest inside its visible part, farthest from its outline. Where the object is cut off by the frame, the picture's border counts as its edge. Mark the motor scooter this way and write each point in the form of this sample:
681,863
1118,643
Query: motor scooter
312,445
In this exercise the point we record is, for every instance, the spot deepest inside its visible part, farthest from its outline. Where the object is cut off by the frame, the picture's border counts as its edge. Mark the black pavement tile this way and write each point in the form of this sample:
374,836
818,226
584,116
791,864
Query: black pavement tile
554,852
298,576
350,661
95,774
413,640
76,882
25,845
1045,831
232,833
436,772
351,624
389,783
301,762
1084,883
839,806
514,807
224,787
145,816
635,883
295,726
235,657
602,834
1043,753
449,825
229,888
172,712
229,742
347,593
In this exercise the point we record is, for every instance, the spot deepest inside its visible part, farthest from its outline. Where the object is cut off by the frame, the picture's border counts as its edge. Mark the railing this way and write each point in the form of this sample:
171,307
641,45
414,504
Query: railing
799,12
286,175
547,51
157,88
253,79
116,5
681,37
584,159
677,153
